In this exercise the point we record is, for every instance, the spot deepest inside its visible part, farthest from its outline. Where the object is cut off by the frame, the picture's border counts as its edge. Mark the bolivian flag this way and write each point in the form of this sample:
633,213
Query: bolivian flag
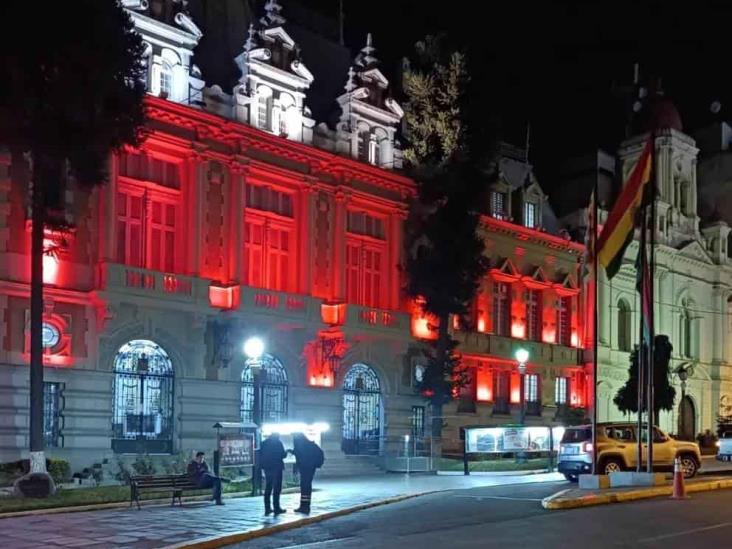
618,230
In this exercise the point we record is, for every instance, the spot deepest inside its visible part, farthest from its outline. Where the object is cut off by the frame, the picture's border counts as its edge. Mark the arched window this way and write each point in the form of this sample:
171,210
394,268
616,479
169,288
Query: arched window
624,326
273,391
361,411
686,329
142,415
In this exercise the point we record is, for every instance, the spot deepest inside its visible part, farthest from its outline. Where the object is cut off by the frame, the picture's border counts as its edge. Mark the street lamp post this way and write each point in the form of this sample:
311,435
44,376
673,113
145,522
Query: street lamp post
254,349
522,356
683,373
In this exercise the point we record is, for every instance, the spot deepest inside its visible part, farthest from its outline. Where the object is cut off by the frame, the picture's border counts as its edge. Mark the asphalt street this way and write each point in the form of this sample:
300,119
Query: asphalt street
512,516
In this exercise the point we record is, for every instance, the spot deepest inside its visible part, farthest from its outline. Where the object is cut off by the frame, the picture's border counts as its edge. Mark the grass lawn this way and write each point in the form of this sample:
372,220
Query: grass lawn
101,494
495,465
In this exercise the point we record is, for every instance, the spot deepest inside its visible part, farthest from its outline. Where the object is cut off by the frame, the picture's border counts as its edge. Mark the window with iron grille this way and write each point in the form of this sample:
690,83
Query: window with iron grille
52,414
418,421
533,315
502,308
498,204
531,387
530,215
561,390
564,321
273,389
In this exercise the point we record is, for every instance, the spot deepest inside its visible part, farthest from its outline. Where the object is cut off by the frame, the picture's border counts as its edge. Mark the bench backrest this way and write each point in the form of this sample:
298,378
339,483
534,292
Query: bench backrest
162,481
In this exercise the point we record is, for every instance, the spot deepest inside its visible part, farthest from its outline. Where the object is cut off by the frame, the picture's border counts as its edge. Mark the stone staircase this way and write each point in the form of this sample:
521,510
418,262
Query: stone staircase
338,464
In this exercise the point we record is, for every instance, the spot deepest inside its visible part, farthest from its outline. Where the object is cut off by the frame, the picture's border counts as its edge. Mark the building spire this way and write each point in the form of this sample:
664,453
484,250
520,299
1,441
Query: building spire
251,42
365,58
272,16
351,82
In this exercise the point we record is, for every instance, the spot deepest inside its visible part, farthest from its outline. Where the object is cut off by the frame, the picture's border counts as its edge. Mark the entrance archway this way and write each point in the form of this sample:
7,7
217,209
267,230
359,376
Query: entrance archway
687,419
142,415
362,411
273,391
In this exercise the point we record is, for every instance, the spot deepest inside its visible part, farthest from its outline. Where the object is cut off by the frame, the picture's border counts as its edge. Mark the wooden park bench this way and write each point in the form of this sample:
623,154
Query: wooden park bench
160,483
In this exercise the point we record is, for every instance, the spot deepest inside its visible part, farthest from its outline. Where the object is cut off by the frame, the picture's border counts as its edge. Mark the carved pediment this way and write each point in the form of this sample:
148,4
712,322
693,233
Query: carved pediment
694,250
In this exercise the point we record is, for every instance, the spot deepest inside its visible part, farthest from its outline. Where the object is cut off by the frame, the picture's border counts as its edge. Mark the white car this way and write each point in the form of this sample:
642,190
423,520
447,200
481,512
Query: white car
724,447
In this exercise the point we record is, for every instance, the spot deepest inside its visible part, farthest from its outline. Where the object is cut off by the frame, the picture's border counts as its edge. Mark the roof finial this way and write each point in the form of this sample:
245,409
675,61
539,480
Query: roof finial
351,83
251,43
272,16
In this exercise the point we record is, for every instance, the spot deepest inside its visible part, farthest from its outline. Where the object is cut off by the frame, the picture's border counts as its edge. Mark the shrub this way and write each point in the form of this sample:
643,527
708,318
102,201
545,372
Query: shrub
59,470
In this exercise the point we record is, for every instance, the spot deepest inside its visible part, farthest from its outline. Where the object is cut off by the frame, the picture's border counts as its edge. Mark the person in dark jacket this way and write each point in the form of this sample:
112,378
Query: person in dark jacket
200,475
309,457
271,455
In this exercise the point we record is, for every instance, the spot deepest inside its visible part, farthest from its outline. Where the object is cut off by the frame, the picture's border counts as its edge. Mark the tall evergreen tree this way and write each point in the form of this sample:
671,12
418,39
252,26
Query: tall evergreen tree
664,394
73,88
445,260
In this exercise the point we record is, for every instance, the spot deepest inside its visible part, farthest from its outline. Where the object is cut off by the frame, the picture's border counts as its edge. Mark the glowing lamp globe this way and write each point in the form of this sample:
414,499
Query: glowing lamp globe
522,356
254,348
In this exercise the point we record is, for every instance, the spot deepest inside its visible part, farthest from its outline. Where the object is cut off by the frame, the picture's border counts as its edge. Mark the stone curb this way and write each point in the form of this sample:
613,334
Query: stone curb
156,502
558,501
239,537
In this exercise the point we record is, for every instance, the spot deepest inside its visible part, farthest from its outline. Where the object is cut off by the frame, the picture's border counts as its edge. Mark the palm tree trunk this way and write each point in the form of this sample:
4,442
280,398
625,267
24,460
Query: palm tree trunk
37,459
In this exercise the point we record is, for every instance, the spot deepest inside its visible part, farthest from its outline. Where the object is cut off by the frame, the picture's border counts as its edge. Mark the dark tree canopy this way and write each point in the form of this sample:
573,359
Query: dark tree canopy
73,83
664,394
445,261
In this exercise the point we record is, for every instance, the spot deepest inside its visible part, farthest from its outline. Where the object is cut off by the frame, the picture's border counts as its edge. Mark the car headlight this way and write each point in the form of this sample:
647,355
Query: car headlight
717,444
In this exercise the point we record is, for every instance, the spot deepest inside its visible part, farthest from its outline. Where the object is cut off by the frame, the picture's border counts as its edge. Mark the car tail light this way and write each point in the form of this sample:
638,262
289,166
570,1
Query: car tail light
587,447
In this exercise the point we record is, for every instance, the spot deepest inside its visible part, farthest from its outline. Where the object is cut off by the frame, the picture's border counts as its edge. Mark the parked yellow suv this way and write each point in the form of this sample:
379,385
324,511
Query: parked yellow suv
618,450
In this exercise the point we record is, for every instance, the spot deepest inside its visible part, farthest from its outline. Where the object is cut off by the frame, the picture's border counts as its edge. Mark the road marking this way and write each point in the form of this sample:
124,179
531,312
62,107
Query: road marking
686,532
500,497
312,544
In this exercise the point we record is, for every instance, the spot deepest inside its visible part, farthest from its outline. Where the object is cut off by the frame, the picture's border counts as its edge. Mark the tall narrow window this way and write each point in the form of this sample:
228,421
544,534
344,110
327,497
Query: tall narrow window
530,215
268,254
685,332
162,236
363,274
418,421
264,112
166,80
624,326
498,204
533,315
502,390
564,321
374,149
129,228
52,412
363,145
531,387
502,308
561,390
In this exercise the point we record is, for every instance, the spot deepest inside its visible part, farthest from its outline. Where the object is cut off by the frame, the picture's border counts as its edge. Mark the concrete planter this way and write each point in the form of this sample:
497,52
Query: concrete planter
631,478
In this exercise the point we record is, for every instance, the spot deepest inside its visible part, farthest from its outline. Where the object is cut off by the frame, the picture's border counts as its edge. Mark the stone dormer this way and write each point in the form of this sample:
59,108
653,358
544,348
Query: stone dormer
170,36
716,239
270,93
369,118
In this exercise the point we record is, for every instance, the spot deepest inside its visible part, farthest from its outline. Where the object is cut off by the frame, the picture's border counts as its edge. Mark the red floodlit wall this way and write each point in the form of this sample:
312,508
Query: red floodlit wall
223,297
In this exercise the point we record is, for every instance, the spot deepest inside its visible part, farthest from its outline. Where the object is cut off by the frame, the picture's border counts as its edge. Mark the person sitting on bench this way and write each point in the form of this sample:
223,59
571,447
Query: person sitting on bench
199,474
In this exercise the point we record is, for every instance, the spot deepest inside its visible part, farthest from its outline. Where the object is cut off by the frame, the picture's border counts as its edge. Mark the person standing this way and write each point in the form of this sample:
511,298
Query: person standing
201,477
308,457
272,455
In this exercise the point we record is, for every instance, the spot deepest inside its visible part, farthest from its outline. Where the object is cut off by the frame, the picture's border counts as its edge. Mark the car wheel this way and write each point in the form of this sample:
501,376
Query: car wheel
689,466
571,478
611,466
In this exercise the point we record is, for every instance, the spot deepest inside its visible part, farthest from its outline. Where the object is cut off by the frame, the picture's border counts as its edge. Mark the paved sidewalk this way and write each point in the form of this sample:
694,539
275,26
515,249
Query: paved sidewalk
573,498
160,526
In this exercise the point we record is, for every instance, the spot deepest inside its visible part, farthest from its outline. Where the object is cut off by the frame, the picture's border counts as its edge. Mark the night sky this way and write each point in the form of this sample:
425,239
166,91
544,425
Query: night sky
555,63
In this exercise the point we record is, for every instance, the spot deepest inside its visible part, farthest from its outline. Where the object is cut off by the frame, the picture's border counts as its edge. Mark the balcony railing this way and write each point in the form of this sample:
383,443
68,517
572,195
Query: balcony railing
144,282
279,303
502,346
378,319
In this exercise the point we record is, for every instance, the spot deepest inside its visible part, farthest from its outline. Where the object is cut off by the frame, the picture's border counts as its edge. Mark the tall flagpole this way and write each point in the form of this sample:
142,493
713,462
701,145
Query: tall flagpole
651,283
641,354
595,337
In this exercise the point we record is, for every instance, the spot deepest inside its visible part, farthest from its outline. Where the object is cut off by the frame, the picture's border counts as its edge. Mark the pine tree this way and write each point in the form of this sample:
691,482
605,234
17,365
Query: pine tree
664,394
445,260
72,91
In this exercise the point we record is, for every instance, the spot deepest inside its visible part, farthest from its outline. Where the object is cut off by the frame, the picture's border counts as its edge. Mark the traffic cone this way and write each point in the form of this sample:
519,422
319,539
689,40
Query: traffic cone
679,488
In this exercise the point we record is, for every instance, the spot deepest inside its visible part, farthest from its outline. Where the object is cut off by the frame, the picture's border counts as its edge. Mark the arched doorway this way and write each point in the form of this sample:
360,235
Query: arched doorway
687,419
273,391
361,411
142,410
